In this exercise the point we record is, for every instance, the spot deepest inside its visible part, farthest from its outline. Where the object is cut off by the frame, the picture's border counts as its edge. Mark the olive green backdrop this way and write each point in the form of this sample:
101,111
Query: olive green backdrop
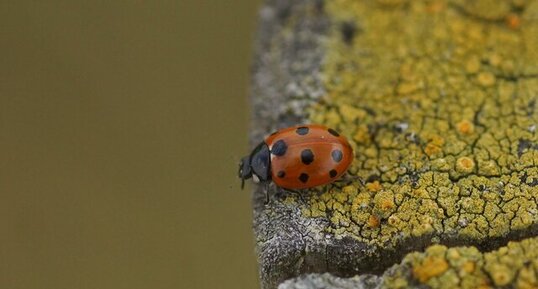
121,125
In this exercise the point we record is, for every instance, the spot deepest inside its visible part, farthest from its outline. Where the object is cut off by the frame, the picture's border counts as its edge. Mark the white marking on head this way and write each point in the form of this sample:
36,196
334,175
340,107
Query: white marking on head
255,178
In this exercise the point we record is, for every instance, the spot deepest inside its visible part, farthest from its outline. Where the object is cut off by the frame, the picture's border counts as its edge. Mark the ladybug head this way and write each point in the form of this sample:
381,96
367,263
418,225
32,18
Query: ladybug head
256,166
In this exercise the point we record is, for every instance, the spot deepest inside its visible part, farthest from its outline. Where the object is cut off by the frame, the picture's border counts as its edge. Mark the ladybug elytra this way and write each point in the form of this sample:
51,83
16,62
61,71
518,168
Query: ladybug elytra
298,157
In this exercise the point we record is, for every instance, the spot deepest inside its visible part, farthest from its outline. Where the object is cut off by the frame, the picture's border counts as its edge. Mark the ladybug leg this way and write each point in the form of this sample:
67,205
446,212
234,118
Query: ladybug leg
280,191
266,192
271,187
268,188
296,192
267,200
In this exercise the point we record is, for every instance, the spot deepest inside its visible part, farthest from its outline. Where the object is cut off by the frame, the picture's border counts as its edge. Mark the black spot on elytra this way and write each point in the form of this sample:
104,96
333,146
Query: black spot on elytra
333,132
337,155
281,174
333,173
279,148
303,178
302,130
307,156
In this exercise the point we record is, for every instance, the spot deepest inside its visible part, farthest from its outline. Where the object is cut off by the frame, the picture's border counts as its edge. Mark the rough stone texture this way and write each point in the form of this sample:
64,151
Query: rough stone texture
286,72
438,100
327,281
511,266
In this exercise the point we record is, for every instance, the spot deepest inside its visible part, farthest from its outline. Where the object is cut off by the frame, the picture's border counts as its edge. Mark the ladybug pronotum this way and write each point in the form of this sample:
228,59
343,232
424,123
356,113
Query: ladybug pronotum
298,157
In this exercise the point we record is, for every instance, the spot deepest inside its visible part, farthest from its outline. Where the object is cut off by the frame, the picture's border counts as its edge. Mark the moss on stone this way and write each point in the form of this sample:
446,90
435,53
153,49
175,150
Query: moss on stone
438,100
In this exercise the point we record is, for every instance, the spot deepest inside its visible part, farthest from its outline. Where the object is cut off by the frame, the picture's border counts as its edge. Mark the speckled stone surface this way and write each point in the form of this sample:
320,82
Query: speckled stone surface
328,281
438,100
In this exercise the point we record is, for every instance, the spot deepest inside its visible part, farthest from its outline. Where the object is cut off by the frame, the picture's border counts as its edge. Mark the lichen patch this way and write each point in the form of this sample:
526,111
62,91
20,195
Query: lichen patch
466,267
438,101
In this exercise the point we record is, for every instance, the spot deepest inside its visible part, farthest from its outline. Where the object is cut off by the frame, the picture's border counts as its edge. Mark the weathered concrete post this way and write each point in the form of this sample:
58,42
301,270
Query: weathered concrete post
439,101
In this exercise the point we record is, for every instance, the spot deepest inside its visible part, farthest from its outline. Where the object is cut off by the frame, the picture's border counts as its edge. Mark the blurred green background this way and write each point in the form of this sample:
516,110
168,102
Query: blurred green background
121,125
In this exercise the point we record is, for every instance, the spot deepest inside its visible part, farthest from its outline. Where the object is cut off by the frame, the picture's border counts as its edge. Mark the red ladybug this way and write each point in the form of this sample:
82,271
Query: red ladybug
298,157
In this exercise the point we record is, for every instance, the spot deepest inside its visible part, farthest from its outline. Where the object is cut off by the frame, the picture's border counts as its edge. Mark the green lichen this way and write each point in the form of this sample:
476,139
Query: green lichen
438,100
466,267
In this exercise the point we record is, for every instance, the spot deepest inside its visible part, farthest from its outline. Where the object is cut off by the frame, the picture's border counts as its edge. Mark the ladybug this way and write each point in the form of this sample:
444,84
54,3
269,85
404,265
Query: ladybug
298,157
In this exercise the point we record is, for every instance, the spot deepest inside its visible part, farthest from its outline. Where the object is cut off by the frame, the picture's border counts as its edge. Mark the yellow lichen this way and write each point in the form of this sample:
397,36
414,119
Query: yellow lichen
408,87
468,267
434,145
374,186
430,267
501,274
465,165
436,6
437,99
486,79
384,203
513,21
391,2
465,127
362,136
527,278
514,265
350,113
373,221
432,149
472,65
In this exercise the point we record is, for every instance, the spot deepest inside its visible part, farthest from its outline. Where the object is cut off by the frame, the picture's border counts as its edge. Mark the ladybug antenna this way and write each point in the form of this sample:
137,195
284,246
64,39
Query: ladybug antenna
267,200
245,172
